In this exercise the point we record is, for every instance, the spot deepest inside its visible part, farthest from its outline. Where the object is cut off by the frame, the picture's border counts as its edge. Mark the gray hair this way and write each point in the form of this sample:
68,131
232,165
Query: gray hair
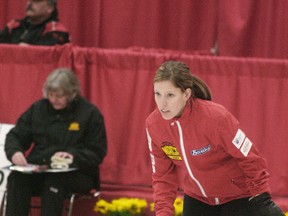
64,80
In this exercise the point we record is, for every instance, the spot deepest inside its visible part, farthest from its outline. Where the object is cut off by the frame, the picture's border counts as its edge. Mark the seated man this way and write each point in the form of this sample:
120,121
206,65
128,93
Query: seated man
62,125
40,26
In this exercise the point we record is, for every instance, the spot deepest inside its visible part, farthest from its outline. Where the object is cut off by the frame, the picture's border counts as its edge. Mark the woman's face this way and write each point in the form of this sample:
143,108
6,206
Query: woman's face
58,100
170,100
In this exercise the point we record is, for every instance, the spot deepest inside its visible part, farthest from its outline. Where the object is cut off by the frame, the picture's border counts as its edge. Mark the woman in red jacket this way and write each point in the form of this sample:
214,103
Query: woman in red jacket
225,174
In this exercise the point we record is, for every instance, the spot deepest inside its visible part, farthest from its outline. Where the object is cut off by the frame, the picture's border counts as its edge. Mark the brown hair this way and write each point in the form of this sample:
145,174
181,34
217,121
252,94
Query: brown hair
179,74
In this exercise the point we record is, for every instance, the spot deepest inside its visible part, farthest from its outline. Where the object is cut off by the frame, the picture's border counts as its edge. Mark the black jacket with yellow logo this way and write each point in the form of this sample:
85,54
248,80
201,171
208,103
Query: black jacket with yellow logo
79,129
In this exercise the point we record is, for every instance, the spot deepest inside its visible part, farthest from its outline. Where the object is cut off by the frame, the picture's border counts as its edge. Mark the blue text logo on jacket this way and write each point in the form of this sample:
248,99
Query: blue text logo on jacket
197,152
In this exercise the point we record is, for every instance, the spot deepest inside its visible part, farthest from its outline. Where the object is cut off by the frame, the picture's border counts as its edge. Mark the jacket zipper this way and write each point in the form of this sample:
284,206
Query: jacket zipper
150,148
185,159
216,199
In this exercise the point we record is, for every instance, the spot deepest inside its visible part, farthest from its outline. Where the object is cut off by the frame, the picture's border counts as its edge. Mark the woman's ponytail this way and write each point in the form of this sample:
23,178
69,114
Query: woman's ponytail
200,89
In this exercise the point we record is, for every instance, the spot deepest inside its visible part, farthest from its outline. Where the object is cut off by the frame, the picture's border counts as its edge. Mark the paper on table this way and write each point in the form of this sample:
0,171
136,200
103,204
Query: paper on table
28,168
60,170
32,168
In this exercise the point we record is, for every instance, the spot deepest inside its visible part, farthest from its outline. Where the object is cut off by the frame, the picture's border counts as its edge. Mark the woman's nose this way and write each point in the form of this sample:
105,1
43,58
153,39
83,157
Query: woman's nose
163,102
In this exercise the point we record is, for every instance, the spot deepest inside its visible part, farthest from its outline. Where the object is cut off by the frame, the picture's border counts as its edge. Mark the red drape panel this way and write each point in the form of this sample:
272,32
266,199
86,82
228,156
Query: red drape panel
119,82
184,25
253,28
23,71
83,20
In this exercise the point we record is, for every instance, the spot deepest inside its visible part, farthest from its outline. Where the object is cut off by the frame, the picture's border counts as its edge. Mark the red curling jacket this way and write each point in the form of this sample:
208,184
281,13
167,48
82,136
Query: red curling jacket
219,161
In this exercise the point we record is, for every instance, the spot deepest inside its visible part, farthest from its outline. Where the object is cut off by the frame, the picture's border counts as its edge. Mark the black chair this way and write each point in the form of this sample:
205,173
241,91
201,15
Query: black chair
94,193
3,204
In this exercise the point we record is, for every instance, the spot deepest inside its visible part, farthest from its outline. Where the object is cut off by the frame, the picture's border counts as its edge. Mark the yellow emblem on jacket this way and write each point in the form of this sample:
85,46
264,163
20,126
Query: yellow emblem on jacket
172,152
74,126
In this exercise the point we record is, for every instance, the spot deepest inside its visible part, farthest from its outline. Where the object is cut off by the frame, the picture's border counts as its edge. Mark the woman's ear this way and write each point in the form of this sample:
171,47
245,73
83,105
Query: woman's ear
187,93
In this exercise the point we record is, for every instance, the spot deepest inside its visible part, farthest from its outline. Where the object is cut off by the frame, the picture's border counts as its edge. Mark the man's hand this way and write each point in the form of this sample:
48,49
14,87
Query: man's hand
23,44
63,155
19,159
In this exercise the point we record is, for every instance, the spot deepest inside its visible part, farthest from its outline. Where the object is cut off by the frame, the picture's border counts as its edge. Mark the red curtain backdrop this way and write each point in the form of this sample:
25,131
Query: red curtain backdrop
119,82
253,28
241,28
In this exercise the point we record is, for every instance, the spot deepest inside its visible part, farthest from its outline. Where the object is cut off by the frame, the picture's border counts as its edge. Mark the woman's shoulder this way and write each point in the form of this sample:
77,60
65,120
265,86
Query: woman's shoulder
210,107
211,112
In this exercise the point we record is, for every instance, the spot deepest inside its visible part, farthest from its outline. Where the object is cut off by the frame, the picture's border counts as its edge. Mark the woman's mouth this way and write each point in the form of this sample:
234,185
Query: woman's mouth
164,110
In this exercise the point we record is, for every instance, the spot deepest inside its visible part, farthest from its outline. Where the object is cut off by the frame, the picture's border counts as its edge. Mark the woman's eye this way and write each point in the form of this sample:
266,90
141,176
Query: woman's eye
157,93
170,95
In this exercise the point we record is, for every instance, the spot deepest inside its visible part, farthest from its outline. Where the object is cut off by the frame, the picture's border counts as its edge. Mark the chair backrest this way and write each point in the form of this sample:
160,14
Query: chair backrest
4,162
4,129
